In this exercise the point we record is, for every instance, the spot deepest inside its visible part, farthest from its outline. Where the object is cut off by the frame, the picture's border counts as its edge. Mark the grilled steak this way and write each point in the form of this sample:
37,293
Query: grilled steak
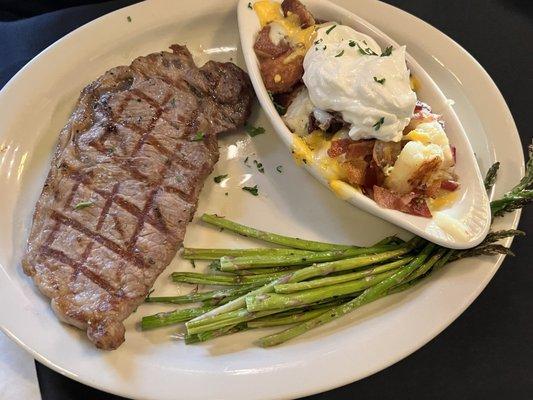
124,183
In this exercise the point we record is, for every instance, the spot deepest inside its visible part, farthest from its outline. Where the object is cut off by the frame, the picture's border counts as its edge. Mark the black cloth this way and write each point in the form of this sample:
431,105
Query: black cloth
487,352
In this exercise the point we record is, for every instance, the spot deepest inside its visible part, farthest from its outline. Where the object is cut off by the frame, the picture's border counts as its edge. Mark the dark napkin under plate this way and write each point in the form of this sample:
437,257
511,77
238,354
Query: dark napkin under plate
486,353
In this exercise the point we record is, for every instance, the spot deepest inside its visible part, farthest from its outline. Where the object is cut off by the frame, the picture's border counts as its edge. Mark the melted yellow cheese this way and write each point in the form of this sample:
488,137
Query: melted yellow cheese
415,85
419,136
312,149
342,189
270,11
443,201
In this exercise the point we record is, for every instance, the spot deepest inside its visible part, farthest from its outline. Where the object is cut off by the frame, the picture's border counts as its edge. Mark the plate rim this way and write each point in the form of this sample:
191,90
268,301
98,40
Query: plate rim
324,386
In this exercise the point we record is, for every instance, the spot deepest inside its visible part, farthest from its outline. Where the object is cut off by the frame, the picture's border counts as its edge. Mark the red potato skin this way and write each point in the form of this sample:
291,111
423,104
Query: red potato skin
289,73
295,7
264,47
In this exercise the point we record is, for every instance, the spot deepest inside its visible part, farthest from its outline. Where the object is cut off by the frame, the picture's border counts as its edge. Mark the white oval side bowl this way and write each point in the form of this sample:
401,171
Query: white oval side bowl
472,207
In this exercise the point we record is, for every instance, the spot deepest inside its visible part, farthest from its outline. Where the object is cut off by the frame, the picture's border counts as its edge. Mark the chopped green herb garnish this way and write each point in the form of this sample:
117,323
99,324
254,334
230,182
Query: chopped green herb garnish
279,168
387,52
220,178
254,131
193,263
351,43
364,41
246,161
250,6
378,124
380,81
279,108
198,137
128,18
340,54
366,52
259,166
225,194
83,204
330,29
253,190
318,41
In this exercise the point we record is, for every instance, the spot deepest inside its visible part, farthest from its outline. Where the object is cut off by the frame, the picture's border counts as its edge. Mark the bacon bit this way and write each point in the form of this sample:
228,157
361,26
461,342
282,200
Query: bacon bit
449,185
410,203
355,171
373,175
359,149
338,147
454,154
386,153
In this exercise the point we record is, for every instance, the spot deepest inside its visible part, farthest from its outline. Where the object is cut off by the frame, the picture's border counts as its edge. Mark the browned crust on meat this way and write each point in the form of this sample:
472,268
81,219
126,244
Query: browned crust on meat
130,148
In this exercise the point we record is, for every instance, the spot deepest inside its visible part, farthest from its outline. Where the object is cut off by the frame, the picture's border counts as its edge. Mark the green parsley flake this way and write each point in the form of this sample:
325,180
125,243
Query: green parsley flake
83,204
198,137
250,6
378,124
220,178
340,54
387,52
330,29
279,108
279,168
259,166
128,18
253,190
366,52
380,81
254,131
246,162
351,43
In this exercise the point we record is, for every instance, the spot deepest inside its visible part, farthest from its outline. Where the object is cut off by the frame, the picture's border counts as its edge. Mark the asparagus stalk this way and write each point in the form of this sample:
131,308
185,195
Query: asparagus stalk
214,254
311,272
295,243
289,319
520,195
204,336
492,173
274,301
172,317
228,264
333,280
223,280
202,296
372,293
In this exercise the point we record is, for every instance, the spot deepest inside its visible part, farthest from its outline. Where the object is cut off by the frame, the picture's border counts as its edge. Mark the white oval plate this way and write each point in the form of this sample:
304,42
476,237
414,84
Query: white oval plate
35,104
472,206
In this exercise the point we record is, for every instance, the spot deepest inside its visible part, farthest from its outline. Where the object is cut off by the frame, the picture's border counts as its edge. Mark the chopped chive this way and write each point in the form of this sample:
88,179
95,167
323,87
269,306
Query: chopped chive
254,131
250,6
83,204
380,81
279,168
330,29
351,43
387,52
220,178
251,189
340,54
378,124
198,137
128,18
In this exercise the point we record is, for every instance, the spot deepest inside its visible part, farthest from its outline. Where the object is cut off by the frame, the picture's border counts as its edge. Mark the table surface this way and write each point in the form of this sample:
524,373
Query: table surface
486,352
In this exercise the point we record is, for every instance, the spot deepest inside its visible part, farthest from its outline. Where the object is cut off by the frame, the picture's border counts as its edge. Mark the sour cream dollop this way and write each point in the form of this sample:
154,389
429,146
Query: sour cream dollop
372,93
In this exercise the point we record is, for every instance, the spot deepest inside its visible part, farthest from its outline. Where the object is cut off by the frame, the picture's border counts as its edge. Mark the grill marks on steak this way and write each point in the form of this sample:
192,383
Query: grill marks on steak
129,148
